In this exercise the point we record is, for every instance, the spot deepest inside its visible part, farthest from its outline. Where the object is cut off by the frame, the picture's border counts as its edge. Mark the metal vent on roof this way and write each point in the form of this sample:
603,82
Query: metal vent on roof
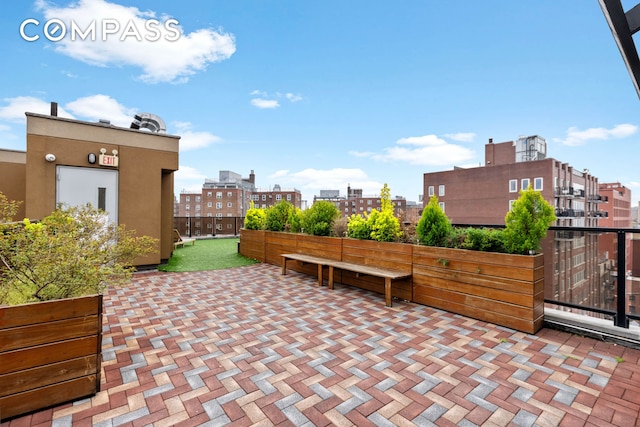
148,121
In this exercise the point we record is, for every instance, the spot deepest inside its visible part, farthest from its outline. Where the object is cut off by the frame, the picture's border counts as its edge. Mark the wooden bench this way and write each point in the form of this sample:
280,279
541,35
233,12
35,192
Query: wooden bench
179,242
387,274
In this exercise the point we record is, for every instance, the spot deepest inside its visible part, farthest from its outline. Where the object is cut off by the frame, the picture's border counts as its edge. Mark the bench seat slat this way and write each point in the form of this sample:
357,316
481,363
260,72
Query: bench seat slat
385,273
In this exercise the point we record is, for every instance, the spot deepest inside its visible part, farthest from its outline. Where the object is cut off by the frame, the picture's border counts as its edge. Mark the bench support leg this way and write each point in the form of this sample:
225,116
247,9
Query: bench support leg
284,266
330,280
387,292
319,274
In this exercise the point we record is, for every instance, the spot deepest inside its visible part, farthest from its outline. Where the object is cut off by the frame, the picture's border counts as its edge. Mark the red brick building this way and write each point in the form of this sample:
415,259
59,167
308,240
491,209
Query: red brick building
483,195
357,203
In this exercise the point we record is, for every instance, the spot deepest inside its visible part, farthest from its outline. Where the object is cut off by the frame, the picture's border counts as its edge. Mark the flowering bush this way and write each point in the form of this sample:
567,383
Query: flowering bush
72,252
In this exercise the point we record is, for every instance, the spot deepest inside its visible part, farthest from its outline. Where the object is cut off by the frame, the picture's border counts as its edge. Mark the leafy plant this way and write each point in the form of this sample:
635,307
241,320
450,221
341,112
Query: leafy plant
8,208
527,222
358,227
72,252
295,220
385,227
277,216
484,239
255,218
434,227
318,219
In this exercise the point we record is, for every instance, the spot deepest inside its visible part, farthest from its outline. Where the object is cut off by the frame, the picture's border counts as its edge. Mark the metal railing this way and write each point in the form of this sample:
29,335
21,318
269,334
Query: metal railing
208,226
589,271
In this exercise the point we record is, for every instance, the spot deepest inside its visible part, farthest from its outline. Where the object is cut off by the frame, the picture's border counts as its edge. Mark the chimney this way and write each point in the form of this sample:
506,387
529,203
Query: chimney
54,109
252,177
490,140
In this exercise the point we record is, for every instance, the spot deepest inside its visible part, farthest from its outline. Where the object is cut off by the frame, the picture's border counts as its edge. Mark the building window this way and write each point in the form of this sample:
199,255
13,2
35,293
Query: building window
524,184
218,194
369,202
511,202
278,196
289,197
188,207
197,207
209,204
441,204
187,198
219,205
208,193
431,191
264,197
537,184
441,190
513,186
218,215
197,198
229,194
229,204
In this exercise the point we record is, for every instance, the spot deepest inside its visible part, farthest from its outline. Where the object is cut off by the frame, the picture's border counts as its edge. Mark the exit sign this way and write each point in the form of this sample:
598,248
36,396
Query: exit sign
107,160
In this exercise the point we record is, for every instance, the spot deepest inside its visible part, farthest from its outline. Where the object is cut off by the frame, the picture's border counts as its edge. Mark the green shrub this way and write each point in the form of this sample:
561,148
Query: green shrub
527,222
434,227
318,219
277,216
255,218
484,239
381,225
358,227
385,227
70,253
295,220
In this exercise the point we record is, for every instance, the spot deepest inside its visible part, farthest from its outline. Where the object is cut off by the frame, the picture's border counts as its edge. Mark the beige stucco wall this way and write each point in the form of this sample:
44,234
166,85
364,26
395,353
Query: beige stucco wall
145,172
13,165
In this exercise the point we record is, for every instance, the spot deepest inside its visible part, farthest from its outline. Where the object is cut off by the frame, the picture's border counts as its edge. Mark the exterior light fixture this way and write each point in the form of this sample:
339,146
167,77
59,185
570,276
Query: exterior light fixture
50,157
91,158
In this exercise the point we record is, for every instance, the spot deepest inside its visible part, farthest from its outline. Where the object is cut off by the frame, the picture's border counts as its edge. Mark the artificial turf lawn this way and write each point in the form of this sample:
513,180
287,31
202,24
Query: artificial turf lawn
207,254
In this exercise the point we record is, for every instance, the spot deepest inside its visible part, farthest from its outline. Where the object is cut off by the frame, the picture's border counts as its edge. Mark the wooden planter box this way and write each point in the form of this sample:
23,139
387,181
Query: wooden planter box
49,353
504,289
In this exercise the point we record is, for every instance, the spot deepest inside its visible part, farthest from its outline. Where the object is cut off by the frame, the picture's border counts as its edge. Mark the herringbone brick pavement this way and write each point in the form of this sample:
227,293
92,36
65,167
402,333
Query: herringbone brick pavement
247,346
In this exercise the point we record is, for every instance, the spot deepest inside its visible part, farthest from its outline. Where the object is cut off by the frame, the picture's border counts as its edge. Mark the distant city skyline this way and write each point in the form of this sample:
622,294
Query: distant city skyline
324,95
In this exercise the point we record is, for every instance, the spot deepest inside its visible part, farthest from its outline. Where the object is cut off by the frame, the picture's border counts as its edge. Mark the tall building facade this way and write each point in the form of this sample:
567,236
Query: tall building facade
483,196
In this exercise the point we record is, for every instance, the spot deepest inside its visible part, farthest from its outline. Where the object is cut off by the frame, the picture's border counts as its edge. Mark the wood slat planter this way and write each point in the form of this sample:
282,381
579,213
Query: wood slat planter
49,353
252,244
504,289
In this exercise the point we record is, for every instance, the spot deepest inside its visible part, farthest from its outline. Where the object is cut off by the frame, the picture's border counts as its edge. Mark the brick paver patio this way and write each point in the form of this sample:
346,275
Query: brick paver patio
247,346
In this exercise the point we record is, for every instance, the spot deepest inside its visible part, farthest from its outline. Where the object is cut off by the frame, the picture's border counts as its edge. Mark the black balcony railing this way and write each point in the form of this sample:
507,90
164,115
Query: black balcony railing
208,226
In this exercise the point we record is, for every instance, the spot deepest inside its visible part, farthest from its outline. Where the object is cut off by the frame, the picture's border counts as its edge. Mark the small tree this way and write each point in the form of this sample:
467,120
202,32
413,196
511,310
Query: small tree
295,220
72,252
277,216
8,208
358,227
318,219
385,227
434,227
527,222
255,218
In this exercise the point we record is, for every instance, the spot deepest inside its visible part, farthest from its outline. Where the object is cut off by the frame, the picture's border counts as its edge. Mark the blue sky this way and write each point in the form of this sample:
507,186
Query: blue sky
320,95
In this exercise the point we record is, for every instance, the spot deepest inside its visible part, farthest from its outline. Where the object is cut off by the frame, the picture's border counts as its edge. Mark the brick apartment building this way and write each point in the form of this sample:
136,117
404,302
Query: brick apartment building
483,195
357,203
219,208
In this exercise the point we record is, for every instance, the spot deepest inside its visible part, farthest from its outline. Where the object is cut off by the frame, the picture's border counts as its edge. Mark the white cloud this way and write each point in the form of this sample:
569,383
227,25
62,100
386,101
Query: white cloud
429,150
188,179
278,174
576,137
265,100
16,107
190,140
292,97
161,60
264,103
96,107
310,181
461,136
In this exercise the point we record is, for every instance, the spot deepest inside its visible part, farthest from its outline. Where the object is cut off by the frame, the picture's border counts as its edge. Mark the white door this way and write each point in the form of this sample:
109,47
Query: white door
77,186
